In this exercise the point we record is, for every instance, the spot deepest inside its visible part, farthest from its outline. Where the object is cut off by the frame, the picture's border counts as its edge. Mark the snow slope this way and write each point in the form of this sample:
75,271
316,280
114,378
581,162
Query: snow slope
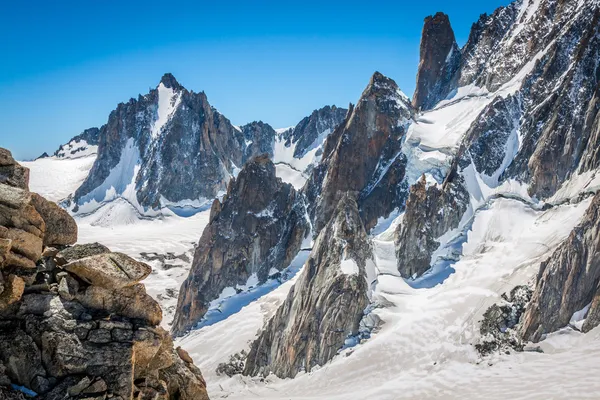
428,332
57,178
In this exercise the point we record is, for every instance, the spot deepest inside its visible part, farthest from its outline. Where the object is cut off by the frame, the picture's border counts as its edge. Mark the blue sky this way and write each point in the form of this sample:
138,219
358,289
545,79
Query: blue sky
67,64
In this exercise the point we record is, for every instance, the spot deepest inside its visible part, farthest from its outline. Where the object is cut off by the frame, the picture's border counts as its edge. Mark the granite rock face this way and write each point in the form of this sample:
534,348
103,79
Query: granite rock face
326,304
568,281
439,59
64,337
257,229
364,155
258,139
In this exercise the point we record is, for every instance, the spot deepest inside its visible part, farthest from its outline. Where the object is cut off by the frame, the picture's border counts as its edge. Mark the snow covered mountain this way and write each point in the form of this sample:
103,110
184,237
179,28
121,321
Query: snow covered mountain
168,148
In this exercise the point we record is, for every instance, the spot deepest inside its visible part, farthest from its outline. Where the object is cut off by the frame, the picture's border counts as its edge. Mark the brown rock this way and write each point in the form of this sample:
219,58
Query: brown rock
24,243
61,228
14,287
437,43
5,245
131,302
80,251
13,197
109,270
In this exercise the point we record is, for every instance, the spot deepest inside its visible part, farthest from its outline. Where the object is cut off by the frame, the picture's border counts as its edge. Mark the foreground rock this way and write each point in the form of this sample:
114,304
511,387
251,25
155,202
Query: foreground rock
325,306
86,330
568,281
257,229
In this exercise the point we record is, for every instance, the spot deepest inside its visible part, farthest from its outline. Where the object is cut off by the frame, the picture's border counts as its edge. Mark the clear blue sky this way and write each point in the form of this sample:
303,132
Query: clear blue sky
67,64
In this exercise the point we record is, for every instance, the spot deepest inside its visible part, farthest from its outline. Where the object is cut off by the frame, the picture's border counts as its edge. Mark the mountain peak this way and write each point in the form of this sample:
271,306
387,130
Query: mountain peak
170,82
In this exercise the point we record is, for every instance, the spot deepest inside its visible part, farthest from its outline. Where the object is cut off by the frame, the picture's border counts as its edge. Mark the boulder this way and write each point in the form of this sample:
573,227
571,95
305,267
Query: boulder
61,228
14,287
80,251
130,302
109,270
14,197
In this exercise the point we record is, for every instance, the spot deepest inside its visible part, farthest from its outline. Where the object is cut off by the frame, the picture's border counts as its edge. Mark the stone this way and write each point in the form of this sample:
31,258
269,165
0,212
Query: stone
14,287
61,228
109,270
25,244
68,287
99,336
80,251
5,245
130,302
14,197
80,386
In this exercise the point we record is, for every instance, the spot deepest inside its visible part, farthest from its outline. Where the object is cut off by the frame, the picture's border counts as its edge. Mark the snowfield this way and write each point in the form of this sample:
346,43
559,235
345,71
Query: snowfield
56,178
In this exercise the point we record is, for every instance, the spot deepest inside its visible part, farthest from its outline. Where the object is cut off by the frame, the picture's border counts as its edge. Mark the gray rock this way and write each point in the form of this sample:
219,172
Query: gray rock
326,304
109,270
364,155
80,251
567,281
259,226
430,212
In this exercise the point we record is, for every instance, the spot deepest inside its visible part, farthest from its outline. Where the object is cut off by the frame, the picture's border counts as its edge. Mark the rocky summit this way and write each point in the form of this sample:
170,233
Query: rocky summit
169,146
75,321
364,155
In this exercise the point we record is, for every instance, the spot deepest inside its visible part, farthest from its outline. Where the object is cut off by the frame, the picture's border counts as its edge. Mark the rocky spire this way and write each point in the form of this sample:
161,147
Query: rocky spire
325,306
438,49
364,155
259,227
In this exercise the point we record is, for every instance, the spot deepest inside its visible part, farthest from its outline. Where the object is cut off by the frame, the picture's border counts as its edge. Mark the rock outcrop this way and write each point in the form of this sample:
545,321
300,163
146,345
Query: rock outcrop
431,210
257,229
439,60
325,306
76,323
568,281
364,155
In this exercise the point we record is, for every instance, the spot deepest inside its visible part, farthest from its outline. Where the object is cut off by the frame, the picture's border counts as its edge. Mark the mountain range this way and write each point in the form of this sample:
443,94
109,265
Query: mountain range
399,245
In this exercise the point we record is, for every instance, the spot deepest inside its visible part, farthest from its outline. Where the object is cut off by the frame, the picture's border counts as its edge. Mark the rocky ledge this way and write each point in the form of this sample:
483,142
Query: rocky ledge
75,321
